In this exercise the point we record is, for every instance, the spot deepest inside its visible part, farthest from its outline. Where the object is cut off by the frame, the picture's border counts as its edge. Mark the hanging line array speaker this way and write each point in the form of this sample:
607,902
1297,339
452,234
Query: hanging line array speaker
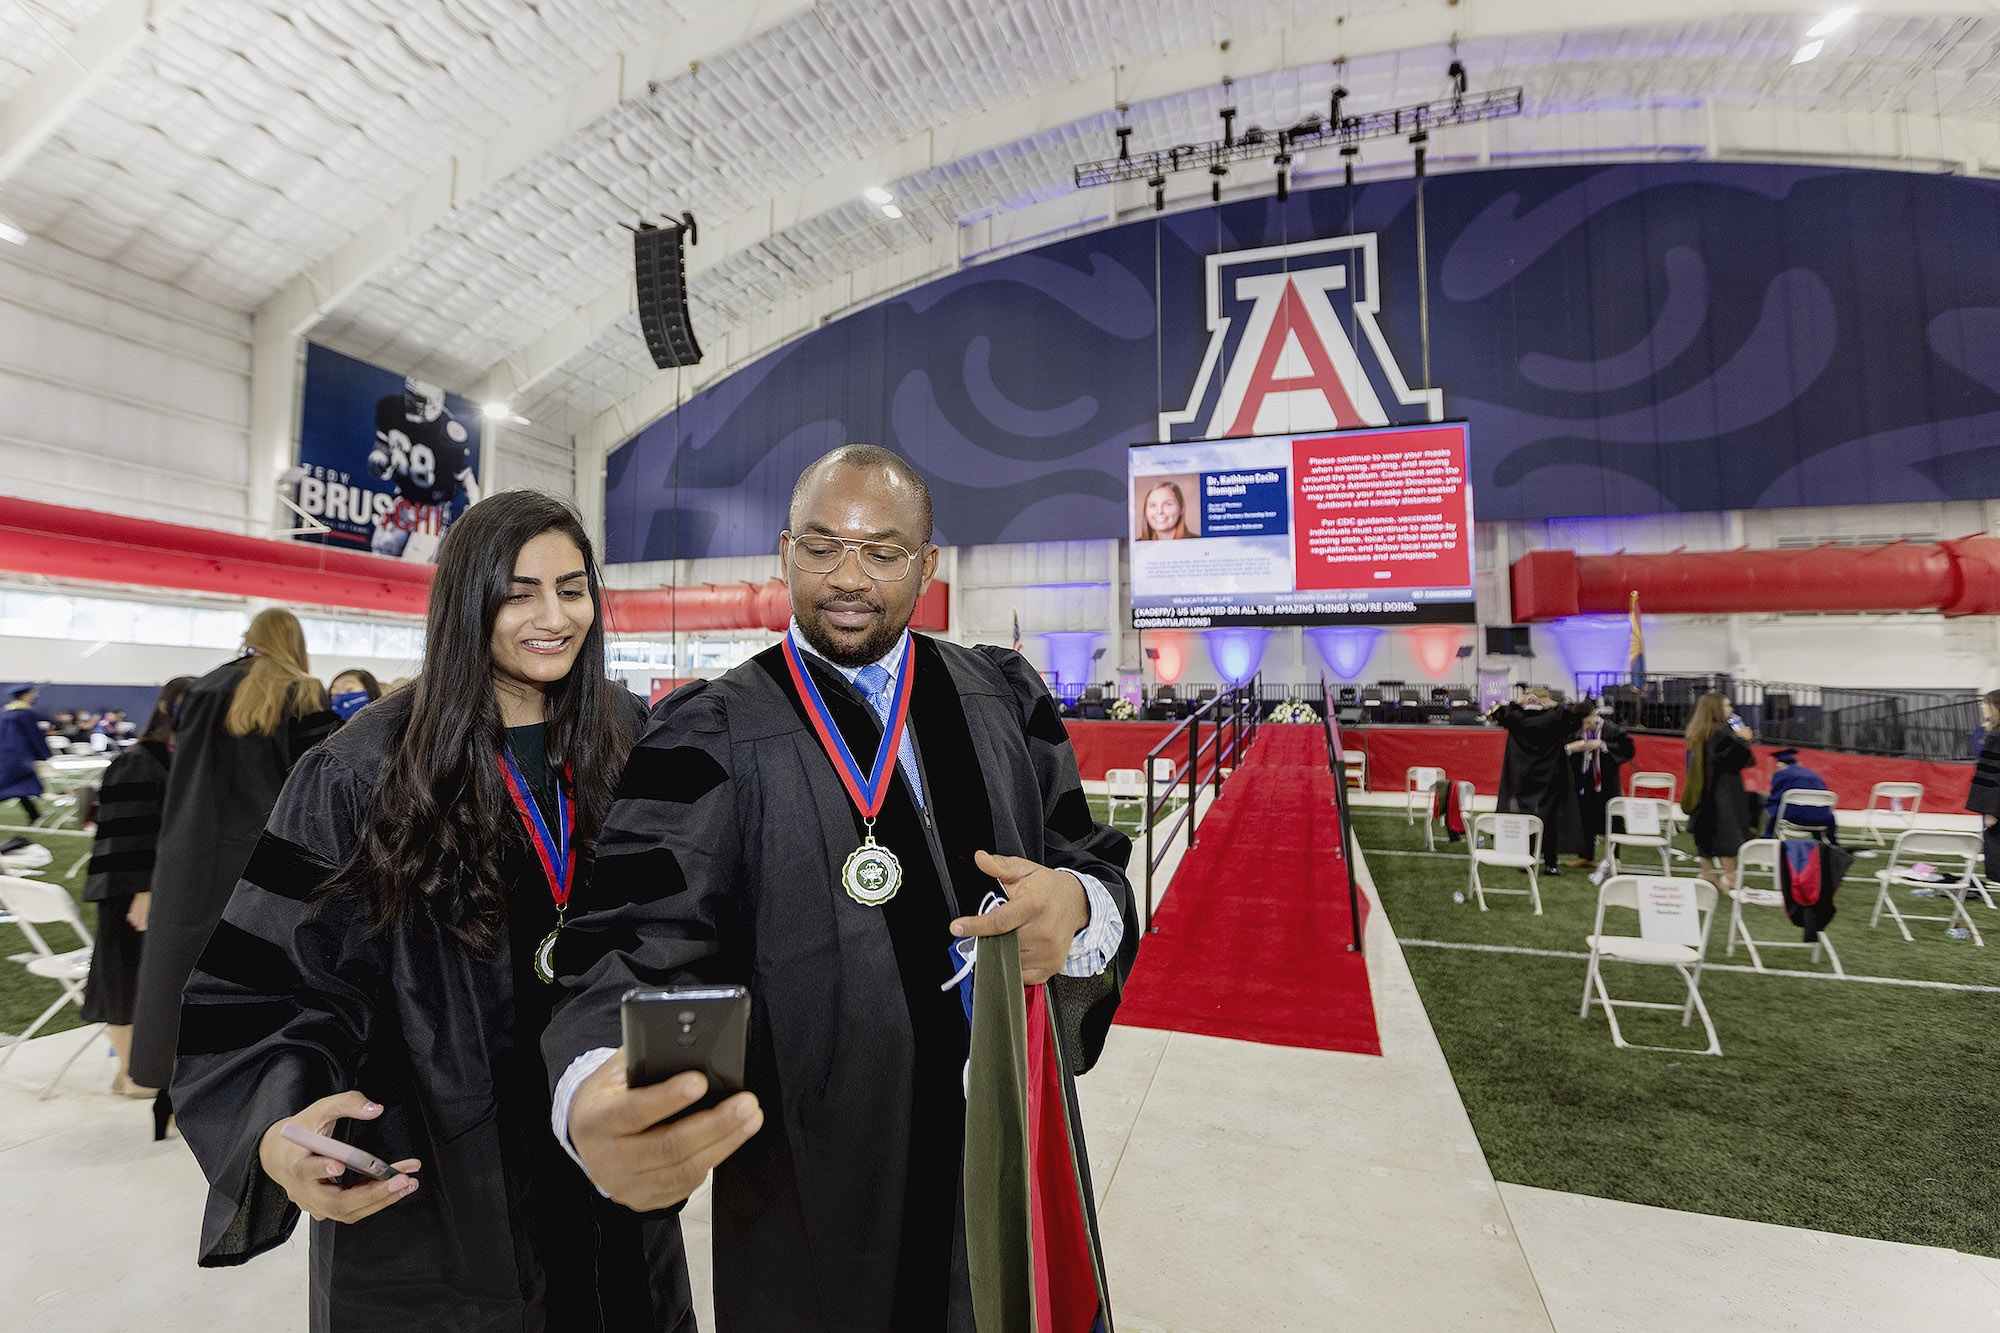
659,262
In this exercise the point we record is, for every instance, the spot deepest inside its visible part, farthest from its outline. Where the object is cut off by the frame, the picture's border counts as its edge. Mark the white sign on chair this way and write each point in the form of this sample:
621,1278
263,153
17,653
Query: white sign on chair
1642,818
1510,835
1669,912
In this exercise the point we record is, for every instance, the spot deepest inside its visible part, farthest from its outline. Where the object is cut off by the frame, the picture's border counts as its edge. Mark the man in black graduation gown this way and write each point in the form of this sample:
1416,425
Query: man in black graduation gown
1534,771
837,1198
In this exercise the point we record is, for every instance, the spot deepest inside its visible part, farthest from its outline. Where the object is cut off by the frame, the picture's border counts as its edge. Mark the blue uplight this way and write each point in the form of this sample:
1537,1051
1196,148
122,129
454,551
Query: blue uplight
1592,643
1069,658
1237,653
1345,648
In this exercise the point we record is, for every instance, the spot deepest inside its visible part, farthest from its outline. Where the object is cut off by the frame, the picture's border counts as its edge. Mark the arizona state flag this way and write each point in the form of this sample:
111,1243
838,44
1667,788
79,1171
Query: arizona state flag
1635,645
1031,1240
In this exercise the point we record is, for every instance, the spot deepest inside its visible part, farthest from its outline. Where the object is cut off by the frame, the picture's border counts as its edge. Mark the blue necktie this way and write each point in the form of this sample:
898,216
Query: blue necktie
879,689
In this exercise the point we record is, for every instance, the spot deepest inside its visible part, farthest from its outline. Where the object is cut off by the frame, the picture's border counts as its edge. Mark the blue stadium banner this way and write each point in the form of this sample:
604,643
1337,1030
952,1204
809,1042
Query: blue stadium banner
1628,339
385,462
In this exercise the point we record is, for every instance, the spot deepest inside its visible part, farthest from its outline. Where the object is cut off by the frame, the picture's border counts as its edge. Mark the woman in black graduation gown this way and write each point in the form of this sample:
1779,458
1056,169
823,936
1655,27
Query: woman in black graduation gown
1534,771
375,975
121,879
239,731
1719,818
1598,752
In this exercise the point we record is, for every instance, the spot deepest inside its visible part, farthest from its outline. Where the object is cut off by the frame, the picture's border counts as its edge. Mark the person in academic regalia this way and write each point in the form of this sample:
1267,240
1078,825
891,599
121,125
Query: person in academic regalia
1718,750
121,877
738,853
1534,770
1598,753
22,746
378,975
239,731
1983,799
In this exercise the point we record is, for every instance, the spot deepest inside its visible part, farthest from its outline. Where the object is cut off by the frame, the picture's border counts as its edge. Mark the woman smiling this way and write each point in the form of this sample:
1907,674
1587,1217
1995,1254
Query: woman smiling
387,965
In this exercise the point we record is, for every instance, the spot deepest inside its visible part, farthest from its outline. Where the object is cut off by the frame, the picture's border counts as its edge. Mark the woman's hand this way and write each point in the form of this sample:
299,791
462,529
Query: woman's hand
141,908
1991,820
307,1178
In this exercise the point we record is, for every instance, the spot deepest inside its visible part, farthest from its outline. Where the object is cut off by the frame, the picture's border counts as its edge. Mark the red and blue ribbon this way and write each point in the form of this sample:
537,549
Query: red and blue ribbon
868,790
556,849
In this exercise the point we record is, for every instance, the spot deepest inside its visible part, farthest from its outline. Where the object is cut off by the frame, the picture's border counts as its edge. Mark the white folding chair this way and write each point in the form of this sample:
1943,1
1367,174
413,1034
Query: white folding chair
1803,800
1418,783
1488,826
1663,787
1164,772
1760,855
1624,891
1125,786
33,904
1893,805
1626,810
1955,885
1355,762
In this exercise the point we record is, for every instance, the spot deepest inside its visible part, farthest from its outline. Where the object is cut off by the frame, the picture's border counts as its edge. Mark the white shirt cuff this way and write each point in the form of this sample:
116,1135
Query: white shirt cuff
1097,943
579,1069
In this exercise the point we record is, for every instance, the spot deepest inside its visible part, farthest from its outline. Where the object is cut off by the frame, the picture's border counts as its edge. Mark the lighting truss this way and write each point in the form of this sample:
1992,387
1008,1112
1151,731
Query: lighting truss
1347,132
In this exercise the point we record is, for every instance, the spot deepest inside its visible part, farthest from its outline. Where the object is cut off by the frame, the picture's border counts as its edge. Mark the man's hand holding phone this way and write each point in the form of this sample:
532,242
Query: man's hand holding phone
310,1179
641,1162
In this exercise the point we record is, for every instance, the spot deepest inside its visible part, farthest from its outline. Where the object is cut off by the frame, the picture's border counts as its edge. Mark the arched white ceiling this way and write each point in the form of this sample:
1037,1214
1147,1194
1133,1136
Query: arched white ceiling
440,185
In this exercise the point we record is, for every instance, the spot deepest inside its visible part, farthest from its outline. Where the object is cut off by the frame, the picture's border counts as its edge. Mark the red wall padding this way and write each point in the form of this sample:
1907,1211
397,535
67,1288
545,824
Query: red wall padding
1103,745
1474,753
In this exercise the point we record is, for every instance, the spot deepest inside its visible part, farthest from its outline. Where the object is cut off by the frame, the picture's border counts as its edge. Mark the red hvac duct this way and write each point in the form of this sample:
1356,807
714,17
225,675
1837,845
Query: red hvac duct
1958,578
61,542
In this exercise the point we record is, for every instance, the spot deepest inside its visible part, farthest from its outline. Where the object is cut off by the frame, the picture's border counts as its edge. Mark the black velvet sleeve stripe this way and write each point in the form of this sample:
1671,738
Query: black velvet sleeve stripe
114,863
242,959
214,1028
645,877
681,776
149,792
1071,817
283,867
131,826
1044,725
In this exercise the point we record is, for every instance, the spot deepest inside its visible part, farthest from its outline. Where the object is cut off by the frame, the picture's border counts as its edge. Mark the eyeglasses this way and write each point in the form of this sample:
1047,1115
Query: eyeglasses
885,562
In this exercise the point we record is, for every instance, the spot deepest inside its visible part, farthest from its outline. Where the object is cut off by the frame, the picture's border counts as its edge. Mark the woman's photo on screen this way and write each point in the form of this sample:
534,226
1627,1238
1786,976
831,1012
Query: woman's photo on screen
1163,511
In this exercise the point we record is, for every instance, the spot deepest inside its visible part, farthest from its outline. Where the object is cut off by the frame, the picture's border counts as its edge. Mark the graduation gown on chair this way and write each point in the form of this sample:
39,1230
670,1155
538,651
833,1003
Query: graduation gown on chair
1535,775
294,1001
720,863
219,794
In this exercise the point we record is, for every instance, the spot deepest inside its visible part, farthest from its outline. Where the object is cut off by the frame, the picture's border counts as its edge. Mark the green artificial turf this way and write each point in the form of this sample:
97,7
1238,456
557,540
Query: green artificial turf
22,997
1842,1106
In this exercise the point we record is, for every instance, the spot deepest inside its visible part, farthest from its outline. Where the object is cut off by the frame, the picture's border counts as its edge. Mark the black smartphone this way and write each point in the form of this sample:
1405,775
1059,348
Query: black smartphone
671,1031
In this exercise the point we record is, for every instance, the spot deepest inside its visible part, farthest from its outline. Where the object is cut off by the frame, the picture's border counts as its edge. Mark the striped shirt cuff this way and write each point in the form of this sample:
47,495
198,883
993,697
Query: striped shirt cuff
1097,943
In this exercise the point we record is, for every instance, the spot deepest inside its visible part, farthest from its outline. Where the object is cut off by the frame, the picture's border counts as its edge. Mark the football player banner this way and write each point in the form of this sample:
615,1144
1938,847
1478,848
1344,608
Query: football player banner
1032,1249
385,462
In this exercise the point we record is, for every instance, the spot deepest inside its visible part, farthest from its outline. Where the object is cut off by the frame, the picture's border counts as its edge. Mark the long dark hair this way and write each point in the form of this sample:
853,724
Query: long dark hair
160,726
441,819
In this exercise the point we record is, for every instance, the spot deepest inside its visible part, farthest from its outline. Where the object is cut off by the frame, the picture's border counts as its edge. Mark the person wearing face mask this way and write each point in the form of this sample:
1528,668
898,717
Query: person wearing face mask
387,967
744,849
352,691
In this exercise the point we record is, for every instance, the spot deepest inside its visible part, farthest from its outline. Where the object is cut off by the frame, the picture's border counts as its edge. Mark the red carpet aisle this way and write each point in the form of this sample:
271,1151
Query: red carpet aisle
1253,936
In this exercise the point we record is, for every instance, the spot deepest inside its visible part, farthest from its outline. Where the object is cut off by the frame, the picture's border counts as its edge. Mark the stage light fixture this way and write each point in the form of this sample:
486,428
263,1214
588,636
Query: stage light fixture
1124,133
1833,22
875,194
496,411
891,211
1807,52
1216,172
1159,184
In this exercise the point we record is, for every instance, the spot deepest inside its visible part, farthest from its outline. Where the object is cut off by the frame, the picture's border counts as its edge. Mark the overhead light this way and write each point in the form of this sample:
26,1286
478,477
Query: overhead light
875,194
11,233
1832,23
496,411
521,420
1807,52
891,211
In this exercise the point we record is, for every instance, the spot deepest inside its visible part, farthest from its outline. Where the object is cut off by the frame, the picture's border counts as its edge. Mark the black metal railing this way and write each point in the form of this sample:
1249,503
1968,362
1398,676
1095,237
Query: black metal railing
1232,718
1917,724
1336,763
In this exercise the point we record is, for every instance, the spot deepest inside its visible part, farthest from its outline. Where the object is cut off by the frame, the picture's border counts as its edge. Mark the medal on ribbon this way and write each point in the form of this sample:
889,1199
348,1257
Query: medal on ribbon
872,874
556,850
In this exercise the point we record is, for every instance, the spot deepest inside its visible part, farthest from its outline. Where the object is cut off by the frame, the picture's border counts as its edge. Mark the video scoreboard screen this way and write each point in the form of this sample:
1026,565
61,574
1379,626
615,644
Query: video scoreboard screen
1328,527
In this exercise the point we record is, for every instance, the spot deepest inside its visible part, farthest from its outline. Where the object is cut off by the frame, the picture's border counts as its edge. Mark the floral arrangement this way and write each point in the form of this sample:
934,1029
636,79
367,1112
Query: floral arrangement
1121,710
1292,710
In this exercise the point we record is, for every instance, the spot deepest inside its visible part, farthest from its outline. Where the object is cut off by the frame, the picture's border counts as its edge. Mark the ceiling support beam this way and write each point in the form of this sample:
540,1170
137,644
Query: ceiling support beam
1355,36
307,298
1853,139
41,105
